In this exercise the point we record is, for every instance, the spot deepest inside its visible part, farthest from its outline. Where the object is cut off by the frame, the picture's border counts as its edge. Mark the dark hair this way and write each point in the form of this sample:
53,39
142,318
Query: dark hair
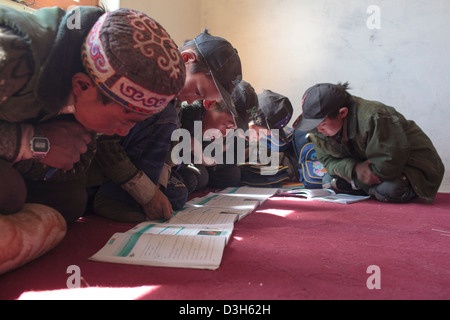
103,98
199,65
103,7
348,102
221,107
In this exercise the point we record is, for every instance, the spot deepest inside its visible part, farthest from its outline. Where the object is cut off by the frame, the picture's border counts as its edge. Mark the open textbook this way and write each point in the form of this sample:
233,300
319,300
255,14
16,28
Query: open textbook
171,245
326,195
195,237
261,194
202,249
239,200
240,205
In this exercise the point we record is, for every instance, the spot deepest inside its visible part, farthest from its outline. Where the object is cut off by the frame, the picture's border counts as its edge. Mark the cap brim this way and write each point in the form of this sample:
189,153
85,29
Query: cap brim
241,123
226,97
281,134
306,125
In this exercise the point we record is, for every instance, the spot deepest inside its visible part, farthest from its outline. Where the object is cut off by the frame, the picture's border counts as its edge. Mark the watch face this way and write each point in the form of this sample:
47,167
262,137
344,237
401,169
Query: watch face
40,145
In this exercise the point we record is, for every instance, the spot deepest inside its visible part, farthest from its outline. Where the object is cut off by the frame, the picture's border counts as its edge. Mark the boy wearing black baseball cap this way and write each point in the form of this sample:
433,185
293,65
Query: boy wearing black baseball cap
265,111
213,69
370,146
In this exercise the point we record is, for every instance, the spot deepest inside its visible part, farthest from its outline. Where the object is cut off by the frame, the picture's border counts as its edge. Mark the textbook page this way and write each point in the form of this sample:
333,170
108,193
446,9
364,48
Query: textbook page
326,195
206,216
224,201
342,198
308,193
224,229
191,214
261,194
163,250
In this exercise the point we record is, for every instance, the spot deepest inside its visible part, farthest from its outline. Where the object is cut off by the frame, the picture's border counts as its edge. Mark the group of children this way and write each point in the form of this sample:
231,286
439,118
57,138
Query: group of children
100,105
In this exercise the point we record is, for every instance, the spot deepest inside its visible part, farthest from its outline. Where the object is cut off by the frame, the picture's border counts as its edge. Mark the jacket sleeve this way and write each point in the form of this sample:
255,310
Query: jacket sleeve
10,138
334,158
135,162
114,163
15,70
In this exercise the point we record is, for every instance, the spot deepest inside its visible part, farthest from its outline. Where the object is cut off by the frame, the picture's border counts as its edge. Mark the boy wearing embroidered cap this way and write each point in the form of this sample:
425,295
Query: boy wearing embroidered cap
369,146
60,86
141,186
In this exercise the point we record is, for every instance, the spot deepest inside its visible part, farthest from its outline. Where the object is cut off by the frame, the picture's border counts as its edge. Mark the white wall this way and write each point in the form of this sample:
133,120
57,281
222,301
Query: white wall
15,5
180,18
110,4
289,45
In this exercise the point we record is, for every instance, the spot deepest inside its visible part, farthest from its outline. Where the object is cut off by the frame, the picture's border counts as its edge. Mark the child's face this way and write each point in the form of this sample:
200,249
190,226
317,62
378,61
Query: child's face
95,116
198,87
330,127
222,121
110,119
259,132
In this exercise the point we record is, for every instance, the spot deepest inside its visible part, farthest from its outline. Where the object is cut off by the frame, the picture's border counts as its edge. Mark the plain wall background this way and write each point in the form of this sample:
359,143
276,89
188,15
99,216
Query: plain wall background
289,45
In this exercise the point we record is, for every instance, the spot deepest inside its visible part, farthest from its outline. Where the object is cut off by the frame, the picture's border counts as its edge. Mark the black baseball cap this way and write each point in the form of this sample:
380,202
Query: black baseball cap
318,102
277,110
224,63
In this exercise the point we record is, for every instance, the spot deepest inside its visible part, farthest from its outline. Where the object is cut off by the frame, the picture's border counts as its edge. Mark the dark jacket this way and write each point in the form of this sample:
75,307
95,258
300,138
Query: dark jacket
144,149
50,54
397,147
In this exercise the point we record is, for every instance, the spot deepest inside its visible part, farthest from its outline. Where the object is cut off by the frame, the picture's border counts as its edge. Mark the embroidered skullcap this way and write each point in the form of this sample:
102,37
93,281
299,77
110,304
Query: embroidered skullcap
133,60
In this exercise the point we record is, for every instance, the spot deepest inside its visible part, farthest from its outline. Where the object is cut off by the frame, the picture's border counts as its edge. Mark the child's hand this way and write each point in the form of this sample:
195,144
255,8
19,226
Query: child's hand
365,174
159,207
68,139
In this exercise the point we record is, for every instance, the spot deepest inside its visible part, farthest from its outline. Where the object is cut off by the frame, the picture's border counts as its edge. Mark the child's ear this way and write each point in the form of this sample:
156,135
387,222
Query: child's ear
189,56
343,112
82,84
209,105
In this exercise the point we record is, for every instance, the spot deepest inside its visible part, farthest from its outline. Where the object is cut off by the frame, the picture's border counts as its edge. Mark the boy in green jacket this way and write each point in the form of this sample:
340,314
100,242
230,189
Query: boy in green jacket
369,146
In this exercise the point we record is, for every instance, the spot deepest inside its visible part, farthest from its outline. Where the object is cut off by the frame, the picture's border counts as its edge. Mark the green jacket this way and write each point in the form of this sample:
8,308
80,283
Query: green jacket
50,50
54,56
397,147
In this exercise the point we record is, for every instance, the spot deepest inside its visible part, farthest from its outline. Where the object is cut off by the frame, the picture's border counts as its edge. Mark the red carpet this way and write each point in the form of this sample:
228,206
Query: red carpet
287,249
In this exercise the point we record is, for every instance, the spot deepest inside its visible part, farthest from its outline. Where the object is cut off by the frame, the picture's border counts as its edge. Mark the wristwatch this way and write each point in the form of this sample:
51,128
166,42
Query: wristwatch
39,145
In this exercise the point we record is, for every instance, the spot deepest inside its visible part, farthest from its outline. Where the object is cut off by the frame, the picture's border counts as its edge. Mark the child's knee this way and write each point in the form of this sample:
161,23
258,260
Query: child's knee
13,190
396,191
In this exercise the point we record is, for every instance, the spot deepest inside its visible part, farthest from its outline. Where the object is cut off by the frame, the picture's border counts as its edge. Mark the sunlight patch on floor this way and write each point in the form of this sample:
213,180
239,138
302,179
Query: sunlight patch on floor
91,293
278,212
